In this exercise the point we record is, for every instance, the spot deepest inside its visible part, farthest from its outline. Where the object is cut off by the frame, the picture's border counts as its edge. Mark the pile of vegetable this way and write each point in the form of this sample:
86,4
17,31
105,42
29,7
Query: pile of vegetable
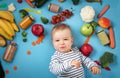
106,60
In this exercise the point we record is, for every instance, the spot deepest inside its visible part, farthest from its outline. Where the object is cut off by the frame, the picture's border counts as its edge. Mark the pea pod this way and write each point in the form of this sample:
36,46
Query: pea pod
95,1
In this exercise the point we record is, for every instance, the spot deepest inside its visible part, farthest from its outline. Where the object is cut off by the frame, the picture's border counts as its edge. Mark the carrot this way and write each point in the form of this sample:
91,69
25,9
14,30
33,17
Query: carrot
6,71
15,67
28,52
33,43
103,11
111,36
30,3
40,39
88,38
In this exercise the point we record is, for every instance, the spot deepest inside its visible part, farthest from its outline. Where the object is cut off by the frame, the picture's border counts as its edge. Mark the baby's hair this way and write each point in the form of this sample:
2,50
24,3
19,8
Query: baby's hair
60,27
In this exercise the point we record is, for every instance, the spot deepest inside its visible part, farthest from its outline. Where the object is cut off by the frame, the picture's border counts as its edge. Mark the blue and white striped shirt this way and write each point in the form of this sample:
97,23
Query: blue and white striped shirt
60,64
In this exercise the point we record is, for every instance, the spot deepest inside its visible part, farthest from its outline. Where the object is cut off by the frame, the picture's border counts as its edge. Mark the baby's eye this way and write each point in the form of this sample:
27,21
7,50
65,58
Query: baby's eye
57,40
65,39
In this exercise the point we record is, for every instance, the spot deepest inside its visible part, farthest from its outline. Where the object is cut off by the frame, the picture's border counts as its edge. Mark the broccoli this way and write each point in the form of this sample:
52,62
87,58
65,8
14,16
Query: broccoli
106,59
23,13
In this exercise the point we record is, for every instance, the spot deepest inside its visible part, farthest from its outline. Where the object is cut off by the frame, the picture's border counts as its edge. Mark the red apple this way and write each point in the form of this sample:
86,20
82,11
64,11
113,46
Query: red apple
37,29
86,49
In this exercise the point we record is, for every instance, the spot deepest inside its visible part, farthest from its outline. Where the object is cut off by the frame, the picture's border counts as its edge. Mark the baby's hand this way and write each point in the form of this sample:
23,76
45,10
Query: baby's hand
75,63
95,70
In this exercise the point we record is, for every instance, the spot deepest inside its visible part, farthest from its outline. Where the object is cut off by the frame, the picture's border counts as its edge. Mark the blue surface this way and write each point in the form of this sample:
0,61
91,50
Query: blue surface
36,65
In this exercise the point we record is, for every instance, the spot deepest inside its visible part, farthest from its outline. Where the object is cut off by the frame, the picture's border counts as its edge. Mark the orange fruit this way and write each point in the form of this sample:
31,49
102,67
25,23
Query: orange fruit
104,22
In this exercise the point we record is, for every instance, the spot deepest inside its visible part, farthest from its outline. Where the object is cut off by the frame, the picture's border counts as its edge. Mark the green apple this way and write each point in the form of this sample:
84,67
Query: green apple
86,30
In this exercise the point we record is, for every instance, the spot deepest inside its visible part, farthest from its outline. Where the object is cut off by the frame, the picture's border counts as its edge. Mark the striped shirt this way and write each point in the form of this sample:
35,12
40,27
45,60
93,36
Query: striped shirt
60,64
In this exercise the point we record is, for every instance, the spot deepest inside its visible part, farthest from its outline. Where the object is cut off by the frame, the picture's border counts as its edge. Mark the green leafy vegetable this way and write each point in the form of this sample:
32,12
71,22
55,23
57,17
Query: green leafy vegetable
93,24
106,59
24,34
23,13
24,39
44,20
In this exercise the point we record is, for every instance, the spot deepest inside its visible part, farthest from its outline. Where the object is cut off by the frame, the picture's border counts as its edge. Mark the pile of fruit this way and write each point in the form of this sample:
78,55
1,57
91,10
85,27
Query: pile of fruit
66,14
8,26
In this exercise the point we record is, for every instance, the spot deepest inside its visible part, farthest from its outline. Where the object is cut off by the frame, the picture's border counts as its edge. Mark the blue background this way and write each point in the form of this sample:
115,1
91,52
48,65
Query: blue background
36,65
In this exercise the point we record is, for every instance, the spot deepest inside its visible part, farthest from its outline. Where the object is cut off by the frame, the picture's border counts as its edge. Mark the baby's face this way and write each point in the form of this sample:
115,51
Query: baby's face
62,40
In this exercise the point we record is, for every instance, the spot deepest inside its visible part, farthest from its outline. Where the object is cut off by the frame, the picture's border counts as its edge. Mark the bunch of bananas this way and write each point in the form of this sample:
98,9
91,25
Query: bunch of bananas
8,26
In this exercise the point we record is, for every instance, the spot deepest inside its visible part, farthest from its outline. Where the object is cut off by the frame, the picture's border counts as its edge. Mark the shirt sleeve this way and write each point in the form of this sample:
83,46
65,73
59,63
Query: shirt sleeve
87,61
57,67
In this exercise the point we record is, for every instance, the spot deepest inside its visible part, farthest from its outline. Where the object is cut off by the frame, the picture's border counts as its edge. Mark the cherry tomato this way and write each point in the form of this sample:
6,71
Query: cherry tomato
54,17
63,13
62,18
53,22
67,16
58,20
67,11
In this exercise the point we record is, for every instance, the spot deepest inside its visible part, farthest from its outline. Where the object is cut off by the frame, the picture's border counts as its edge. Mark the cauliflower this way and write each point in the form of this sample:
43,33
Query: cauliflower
87,13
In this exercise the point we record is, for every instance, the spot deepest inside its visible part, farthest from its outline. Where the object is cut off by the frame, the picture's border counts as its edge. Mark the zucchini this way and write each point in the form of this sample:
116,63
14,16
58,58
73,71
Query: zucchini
2,41
40,3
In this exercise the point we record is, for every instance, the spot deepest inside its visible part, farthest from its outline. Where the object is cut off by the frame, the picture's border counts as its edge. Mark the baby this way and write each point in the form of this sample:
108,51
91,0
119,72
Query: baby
68,61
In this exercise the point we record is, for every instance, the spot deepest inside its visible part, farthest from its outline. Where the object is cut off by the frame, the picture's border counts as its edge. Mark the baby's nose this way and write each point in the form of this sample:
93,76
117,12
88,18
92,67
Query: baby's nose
61,42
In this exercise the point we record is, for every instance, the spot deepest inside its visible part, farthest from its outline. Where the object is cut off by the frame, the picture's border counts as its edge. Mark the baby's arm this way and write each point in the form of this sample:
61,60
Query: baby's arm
57,67
90,64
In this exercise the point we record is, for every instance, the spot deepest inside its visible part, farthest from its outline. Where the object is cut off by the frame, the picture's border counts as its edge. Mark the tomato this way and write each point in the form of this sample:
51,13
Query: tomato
53,22
58,20
62,18
67,11
63,13
54,17
67,16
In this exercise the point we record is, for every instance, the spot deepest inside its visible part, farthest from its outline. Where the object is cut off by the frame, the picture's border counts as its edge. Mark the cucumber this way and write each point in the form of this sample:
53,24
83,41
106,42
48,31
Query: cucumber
40,3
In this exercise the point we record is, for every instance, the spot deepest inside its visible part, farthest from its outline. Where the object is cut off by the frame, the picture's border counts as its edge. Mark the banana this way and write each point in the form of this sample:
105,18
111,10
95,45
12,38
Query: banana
5,14
5,27
10,27
15,27
5,35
